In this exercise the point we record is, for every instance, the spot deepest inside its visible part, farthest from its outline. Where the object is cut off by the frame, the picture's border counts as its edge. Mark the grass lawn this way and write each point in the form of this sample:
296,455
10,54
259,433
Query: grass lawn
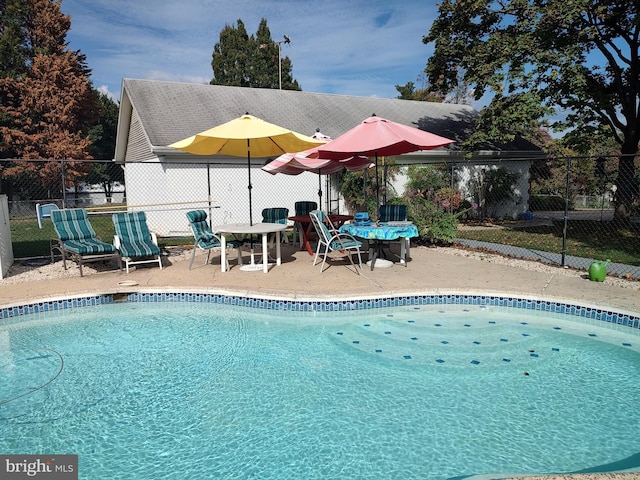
587,239
30,241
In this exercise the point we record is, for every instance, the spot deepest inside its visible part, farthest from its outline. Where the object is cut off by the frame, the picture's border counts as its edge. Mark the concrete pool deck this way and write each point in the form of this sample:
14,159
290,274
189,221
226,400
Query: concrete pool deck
430,271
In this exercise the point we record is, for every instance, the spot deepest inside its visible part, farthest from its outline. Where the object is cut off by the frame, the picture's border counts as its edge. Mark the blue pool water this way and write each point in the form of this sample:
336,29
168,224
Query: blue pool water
185,391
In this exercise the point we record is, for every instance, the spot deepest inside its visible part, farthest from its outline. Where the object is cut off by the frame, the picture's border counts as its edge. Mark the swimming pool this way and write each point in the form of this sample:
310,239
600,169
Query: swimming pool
427,389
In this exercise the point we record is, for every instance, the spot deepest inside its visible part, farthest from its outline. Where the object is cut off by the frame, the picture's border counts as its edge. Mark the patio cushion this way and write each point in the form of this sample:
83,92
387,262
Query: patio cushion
333,240
72,224
135,238
275,215
304,207
392,213
201,231
77,239
89,246
205,238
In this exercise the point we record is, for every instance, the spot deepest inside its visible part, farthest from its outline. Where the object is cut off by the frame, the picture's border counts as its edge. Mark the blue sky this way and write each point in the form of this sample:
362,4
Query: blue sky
350,47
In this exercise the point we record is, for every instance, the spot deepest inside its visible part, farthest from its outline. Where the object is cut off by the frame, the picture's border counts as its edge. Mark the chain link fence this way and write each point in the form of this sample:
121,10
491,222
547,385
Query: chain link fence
557,210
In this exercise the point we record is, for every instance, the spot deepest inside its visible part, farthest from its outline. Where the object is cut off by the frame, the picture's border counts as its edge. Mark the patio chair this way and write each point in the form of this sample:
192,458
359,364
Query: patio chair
137,245
44,211
205,239
276,215
302,208
332,240
78,240
392,213
395,213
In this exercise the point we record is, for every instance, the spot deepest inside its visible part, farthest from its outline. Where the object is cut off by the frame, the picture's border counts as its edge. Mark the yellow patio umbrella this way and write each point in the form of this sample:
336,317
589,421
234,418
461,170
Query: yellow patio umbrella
246,136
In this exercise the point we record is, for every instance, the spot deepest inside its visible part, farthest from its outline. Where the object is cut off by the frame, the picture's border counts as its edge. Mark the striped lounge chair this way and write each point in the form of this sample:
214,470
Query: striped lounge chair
133,239
78,240
205,239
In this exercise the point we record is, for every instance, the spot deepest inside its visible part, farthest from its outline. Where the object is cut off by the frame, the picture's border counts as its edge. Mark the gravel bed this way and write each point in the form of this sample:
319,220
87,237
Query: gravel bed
537,266
42,269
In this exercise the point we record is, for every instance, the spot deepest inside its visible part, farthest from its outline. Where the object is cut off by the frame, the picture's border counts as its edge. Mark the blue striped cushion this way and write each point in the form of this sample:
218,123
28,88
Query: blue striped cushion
304,207
202,232
275,215
392,213
76,233
135,238
90,246
336,244
72,224
339,245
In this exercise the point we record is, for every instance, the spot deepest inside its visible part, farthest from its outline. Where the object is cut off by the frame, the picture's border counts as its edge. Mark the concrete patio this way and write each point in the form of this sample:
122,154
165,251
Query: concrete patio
430,271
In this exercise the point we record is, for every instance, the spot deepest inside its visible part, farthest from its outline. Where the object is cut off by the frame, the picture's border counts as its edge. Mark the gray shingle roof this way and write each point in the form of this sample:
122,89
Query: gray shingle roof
170,111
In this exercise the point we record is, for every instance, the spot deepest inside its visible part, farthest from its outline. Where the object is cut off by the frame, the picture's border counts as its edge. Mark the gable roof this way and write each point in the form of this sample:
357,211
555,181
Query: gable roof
169,111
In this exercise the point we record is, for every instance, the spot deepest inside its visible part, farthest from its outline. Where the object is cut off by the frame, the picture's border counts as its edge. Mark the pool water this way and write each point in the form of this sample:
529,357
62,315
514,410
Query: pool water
187,390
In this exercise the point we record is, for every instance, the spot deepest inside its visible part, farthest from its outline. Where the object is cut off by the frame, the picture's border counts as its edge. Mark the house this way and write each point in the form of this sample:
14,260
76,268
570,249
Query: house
163,180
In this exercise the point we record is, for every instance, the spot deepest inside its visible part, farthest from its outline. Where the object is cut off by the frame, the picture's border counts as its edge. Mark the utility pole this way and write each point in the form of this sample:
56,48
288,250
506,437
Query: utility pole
286,40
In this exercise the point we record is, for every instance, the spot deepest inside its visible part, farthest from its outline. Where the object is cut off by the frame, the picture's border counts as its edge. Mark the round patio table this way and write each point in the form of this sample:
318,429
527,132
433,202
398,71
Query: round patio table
380,235
263,229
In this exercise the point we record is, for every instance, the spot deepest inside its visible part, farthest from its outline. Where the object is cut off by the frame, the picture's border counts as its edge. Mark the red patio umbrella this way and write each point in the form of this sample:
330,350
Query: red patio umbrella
307,161
377,136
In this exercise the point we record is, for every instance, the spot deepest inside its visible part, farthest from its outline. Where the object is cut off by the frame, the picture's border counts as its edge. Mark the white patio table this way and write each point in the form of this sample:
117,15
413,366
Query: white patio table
263,229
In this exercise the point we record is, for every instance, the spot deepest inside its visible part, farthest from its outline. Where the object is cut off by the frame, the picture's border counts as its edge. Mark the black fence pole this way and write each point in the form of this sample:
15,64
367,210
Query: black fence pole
567,195
64,185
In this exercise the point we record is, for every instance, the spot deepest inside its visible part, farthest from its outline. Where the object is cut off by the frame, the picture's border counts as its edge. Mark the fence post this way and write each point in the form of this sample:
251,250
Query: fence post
567,194
64,186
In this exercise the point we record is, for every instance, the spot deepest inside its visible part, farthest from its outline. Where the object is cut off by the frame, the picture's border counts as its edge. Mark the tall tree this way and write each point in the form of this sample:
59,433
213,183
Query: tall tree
103,145
48,110
581,56
13,51
251,61
409,91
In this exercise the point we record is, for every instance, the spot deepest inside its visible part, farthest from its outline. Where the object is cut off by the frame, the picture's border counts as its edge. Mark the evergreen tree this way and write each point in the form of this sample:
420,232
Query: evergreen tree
13,51
103,143
251,61
409,92
47,111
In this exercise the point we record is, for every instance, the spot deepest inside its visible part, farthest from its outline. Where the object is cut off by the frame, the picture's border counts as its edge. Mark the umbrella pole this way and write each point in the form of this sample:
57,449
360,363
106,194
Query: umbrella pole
209,192
250,186
377,186
250,201
252,266
364,190
320,189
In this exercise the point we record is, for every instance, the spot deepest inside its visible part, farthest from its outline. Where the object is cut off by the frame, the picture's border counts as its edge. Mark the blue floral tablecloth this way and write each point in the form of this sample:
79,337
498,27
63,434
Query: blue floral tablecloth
381,232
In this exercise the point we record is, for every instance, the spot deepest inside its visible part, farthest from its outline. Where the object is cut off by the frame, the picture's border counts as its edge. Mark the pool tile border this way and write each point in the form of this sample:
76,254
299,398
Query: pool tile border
342,305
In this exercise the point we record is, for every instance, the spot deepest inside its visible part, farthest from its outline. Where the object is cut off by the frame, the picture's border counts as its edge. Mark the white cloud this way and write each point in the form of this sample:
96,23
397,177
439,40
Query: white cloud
355,48
104,89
